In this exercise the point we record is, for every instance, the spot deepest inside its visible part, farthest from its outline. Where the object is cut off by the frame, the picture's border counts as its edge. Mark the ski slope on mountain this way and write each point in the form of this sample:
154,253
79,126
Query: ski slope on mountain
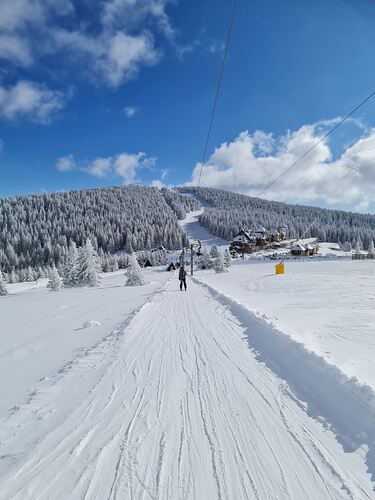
196,232
173,404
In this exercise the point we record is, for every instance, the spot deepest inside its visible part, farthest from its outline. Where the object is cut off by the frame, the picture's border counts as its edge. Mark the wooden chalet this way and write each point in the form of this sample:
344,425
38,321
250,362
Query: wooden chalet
299,249
252,241
242,243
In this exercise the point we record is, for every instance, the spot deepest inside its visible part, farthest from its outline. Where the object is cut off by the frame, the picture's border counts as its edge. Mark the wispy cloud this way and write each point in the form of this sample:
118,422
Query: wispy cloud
251,161
31,101
114,57
15,49
66,163
130,111
124,166
108,38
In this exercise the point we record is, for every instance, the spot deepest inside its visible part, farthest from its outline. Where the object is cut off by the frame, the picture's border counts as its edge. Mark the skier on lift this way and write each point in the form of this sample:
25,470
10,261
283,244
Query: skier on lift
182,277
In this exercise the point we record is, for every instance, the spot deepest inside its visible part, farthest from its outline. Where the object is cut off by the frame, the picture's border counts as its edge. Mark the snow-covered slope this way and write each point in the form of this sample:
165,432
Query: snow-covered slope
326,305
41,330
173,404
235,389
196,232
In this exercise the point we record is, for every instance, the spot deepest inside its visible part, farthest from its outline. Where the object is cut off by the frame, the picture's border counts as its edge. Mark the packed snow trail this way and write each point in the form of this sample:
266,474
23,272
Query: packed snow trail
182,411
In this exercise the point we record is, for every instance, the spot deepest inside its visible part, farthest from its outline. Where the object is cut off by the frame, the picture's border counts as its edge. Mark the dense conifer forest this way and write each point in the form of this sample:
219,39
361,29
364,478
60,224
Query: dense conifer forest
38,230
228,212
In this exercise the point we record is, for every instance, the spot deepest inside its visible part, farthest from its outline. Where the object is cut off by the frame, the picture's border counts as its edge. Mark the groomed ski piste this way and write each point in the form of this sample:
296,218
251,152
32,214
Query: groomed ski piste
240,388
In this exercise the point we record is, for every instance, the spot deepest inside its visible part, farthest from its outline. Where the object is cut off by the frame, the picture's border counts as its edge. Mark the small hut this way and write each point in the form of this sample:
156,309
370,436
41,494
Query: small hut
298,249
242,243
171,267
147,263
260,237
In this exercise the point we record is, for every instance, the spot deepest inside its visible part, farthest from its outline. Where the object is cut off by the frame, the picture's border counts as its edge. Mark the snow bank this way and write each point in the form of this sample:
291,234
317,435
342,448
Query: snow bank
344,404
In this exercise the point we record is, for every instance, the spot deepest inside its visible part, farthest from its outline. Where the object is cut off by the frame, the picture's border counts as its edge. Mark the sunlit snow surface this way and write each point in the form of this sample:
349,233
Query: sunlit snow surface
191,395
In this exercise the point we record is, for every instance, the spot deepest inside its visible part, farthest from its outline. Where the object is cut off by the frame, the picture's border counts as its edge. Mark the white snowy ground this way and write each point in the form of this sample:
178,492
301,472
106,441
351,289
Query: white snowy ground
329,306
175,403
41,330
327,251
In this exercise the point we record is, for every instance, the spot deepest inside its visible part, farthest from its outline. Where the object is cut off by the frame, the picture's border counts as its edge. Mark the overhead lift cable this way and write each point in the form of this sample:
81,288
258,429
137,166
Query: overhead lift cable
218,87
308,151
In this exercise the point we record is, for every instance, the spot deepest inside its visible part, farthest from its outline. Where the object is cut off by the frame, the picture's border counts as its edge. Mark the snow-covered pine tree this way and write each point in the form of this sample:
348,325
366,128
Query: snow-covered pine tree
214,252
204,260
115,266
70,268
347,247
227,258
357,250
3,288
128,245
220,263
371,249
55,282
88,266
30,275
134,273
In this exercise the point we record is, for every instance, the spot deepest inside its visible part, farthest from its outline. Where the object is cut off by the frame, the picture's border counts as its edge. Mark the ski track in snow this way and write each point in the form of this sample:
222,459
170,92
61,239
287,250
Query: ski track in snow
180,409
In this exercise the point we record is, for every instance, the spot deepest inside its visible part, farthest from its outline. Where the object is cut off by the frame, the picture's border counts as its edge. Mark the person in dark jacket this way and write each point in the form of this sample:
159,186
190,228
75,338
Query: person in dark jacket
182,278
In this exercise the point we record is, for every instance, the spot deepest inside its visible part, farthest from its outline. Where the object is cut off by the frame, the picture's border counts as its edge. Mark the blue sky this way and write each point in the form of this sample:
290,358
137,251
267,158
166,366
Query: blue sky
122,91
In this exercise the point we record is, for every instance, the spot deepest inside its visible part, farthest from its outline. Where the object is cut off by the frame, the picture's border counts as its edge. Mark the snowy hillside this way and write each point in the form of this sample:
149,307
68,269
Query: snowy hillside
228,212
37,230
246,386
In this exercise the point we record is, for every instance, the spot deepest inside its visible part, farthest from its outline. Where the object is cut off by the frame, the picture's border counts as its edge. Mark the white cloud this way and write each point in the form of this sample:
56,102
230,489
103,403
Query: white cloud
110,40
130,111
16,14
113,52
252,161
124,56
15,49
130,13
100,167
114,57
124,166
30,100
215,46
66,163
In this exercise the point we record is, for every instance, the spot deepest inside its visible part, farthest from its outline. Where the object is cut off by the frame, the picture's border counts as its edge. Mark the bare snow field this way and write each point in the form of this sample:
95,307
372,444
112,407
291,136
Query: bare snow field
329,306
41,330
189,395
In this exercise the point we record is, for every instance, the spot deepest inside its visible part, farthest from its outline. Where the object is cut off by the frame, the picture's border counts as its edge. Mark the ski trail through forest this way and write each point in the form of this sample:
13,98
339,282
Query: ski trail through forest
182,410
